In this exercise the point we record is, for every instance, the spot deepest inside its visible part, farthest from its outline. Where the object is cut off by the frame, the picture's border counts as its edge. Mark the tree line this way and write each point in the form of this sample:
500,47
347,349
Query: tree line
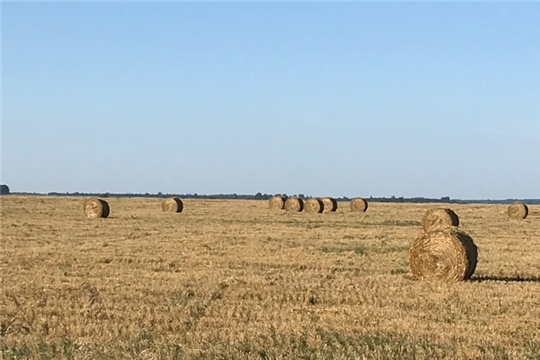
263,196
260,196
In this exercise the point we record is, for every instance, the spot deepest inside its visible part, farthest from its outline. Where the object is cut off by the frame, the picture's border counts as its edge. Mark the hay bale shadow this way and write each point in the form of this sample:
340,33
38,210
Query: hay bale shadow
517,278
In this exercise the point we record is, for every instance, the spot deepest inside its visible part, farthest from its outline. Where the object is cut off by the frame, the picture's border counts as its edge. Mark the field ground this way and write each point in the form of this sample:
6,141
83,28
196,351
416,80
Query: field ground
235,280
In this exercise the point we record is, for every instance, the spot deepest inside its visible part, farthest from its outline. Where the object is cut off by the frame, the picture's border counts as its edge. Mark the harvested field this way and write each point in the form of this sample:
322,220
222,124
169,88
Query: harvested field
234,279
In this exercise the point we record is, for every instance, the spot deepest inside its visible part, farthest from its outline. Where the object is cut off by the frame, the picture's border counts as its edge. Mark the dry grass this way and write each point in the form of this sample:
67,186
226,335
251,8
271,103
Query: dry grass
234,280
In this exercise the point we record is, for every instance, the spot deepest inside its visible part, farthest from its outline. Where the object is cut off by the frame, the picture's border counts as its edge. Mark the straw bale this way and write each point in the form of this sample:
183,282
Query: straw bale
443,254
439,217
96,208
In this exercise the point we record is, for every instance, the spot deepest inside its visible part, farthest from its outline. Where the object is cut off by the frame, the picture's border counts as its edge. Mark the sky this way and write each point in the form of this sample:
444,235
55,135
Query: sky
324,99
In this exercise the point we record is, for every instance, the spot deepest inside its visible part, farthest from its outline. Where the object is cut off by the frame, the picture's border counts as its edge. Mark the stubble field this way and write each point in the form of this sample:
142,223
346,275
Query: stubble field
235,280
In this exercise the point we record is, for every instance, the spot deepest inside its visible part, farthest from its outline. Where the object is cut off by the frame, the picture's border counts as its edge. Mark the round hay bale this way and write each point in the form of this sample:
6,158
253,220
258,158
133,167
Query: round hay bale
277,202
443,254
359,204
96,208
518,211
313,205
172,205
330,204
294,204
439,217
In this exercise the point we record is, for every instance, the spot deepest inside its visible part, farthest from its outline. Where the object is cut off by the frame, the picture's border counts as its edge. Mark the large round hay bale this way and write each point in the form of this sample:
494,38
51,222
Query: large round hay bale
277,202
359,204
172,205
313,205
330,204
518,211
96,208
443,254
439,217
294,204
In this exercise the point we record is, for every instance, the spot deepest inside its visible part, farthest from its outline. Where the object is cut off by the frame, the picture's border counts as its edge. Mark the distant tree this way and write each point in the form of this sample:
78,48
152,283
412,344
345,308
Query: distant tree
445,199
258,196
4,189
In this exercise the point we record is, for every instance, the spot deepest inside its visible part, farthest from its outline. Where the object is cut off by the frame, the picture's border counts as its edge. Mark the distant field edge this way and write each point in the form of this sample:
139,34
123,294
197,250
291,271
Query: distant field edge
415,200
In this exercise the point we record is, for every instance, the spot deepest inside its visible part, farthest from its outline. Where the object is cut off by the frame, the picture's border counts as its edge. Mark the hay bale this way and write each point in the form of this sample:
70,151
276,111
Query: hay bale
439,217
294,204
96,208
330,204
172,205
277,202
518,211
443,254
359,204
313,205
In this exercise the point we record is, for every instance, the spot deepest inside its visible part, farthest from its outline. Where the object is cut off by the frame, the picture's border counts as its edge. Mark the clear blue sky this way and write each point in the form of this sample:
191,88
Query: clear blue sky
339,99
